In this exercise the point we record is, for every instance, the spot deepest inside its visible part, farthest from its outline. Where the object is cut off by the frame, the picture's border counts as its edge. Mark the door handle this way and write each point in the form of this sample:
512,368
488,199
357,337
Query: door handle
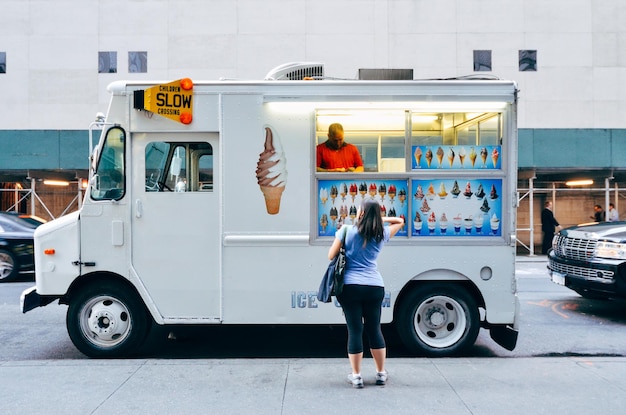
138,208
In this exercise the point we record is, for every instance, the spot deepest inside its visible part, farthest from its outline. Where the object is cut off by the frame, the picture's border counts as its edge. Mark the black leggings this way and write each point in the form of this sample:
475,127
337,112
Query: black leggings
362,306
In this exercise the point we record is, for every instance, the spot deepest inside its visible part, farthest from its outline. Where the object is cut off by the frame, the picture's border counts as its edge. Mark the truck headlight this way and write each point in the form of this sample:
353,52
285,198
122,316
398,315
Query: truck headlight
610,250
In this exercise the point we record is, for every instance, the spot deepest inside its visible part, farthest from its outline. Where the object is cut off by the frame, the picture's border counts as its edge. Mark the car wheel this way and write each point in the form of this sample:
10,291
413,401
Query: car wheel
8,266
107,320
438,320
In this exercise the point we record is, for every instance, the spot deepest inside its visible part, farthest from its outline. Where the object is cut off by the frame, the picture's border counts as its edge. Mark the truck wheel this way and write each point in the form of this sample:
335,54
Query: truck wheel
8,266
438,320
107,320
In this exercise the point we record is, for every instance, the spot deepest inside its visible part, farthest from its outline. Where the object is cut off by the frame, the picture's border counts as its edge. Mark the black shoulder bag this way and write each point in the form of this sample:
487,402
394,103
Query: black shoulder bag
332,281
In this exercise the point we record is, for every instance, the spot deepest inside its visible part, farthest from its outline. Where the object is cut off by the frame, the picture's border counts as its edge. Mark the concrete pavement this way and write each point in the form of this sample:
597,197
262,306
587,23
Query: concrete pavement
456,386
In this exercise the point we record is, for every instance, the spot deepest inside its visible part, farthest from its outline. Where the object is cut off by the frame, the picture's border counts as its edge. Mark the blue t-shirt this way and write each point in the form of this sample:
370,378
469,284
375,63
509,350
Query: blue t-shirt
361,265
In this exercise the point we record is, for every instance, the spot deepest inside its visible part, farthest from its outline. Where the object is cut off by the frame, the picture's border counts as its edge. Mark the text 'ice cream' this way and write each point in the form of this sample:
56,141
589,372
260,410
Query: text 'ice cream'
271,172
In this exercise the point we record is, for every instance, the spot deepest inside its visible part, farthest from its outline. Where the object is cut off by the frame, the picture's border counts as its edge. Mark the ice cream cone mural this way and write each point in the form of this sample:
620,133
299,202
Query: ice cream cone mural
333,214
478,214
443,224
344,192
440,156
363,189
333,193
429,157
418,156
323,195
417,223
442,191
451,156
462,156
382,191
352,213
494,157
457,223
324,222
271,172
391,192
483,156
472,156
402,196
495,223
372,190
353,191
432,222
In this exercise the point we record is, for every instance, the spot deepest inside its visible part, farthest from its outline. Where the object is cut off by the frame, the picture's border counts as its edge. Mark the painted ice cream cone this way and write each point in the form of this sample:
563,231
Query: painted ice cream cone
472,156
440,156
494,157
418,156
271,172
272,198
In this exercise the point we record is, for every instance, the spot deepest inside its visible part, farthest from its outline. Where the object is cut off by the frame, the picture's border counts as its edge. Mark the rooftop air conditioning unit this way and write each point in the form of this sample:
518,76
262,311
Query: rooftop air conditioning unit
296,71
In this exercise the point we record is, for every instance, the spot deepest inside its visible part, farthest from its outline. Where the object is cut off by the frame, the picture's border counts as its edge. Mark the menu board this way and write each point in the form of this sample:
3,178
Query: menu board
339,200
458,207
456,157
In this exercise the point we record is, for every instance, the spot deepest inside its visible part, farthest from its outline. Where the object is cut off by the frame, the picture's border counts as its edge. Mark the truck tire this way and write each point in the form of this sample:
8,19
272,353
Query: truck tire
438,320
107,320
8,266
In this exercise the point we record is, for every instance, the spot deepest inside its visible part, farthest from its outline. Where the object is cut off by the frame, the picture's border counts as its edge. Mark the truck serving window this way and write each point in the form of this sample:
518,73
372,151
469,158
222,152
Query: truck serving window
179,167
108,182
379,135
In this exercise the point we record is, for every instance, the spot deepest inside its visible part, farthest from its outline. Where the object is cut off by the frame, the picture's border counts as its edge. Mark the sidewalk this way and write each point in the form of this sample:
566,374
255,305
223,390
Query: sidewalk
455,386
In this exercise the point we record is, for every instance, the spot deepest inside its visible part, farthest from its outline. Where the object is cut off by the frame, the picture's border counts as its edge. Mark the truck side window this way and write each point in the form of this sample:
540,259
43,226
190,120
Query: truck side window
108,182
179,167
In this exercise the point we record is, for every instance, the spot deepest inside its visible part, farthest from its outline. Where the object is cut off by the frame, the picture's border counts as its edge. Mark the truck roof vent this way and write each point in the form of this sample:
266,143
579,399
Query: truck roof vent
296,71
386,74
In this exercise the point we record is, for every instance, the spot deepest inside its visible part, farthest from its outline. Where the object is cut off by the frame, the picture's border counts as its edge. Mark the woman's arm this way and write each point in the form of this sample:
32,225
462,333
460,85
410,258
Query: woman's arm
395,224
334,248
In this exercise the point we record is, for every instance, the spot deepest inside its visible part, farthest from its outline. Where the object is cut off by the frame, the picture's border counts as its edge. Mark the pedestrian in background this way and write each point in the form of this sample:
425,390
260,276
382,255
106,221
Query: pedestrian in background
598,215
613,215
548,226
363,290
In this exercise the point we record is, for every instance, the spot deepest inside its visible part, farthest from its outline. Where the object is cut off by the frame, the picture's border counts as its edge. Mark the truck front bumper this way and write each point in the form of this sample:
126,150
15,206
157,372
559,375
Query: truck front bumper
31,299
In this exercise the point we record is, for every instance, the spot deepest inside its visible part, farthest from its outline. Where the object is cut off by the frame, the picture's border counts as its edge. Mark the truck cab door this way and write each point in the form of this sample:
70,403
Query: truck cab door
175,227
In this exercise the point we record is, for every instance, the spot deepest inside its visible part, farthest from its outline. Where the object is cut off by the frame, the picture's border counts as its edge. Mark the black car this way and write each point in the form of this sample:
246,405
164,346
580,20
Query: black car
591,259
16,245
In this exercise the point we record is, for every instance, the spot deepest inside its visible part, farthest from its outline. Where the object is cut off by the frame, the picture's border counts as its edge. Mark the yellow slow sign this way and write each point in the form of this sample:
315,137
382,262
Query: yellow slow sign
173,100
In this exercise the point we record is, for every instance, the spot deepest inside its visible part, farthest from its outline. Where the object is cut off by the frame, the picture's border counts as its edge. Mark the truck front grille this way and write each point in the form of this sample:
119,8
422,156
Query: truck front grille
574,248
599,275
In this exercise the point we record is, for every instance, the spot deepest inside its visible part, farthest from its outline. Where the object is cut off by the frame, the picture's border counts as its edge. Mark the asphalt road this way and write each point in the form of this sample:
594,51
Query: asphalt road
554,322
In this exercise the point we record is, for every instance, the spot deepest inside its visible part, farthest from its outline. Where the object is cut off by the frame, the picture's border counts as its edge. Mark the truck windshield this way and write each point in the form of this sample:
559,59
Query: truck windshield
108,182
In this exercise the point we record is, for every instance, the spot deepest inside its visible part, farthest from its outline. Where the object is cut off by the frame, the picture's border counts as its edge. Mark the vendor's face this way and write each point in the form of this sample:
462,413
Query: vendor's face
337,139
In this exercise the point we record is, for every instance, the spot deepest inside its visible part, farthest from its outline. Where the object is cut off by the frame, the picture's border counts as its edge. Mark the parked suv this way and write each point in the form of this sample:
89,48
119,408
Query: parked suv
591,259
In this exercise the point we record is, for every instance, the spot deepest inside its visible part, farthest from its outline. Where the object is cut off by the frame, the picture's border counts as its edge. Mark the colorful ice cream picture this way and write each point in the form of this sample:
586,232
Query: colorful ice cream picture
338,201
456,157
271,172
475,213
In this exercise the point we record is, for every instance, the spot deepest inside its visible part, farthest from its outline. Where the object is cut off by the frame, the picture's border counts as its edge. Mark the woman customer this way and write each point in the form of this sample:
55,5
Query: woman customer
363,290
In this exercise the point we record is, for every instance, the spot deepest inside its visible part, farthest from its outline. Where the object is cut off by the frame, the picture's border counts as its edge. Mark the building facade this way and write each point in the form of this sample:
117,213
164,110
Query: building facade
567,56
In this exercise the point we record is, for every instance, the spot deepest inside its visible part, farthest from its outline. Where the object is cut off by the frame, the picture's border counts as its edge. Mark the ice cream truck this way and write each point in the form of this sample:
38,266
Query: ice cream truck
204,206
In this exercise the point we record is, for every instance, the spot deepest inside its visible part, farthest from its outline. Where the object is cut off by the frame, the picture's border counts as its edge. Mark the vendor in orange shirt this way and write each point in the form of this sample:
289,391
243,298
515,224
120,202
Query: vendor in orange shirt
336,155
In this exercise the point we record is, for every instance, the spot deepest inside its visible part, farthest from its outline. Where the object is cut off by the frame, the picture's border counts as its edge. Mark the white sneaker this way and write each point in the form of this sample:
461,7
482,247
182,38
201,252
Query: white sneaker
381,378
356,380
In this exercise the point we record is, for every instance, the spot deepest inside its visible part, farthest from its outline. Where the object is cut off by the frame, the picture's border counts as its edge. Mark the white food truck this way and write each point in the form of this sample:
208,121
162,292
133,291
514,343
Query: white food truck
204,206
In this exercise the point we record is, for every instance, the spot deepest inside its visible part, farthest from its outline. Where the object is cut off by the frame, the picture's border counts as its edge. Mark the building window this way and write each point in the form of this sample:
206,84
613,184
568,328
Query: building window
107,62
482,60
137,62
3,62
527,60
